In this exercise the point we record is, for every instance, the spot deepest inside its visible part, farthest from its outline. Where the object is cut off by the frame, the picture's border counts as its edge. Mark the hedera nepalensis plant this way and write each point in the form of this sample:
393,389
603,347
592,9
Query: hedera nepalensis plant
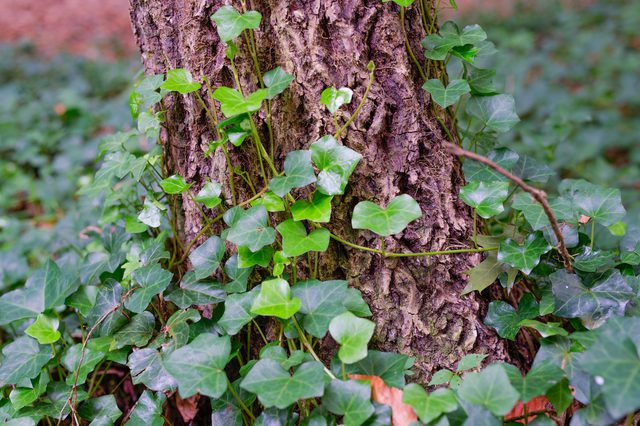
132,303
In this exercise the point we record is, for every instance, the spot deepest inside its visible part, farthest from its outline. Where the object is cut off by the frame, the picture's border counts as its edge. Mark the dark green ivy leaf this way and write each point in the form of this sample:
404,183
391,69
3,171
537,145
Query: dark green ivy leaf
298,173
350,399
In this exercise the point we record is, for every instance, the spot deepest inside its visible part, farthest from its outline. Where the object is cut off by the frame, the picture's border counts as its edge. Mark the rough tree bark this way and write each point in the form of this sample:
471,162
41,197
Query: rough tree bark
416,302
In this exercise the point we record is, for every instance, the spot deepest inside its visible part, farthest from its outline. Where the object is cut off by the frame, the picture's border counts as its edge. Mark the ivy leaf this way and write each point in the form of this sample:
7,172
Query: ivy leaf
44,329
180,80
23,396
237,311
298,173
334,98
147,368
276,81
476,171
238,276
350,399
604,205
545,329
22,359
209,195
275,387
320,302
574,299
353,335
150,214
429,406
251,229
389,366
318,210
523,257
233,103
594,261
336,163
271,202
107,300
470,361
403,3
102,411
450,37
137,333
481,81
490,389
484,274
247,258
497,113
537,382
231,23
174,185
148,410
533,212
194,292
199,366
401,211
153,280
485,197
275,300
504,318
296,241
207,257
446,96
532,170
94,353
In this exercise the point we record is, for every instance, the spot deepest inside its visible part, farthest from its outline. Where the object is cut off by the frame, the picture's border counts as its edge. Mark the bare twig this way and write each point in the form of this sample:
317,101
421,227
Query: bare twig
539,195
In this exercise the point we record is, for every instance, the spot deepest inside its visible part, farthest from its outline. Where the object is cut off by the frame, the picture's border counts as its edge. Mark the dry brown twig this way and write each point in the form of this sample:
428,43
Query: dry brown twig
539,195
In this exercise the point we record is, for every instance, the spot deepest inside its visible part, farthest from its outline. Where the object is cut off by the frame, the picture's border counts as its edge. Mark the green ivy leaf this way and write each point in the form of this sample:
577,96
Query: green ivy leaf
470,361
429,406
275,300
137,333
247,258
276,387
441,377
353,335
545,329
389,366
147,368
233,103
335,162
296,241
23,396
195,292
594,260
271,202
237,311
350,399
533,212
403,3
94,353
153,280
207,257
490,389
174,185
199,366
209,195
485,197
523,257
276,81
604,205
251,229
231,23
317,210
102,411
506,320
22,359
476,171
532,170
400,211
238,276
150,214
481,81
320,302
148,410
497,113
44,329
537,382
439,45
298,173
107,300
446,96
334,98
574,299
180,80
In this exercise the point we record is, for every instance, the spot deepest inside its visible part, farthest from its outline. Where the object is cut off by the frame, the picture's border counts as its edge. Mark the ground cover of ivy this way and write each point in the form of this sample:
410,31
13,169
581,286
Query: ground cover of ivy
95,282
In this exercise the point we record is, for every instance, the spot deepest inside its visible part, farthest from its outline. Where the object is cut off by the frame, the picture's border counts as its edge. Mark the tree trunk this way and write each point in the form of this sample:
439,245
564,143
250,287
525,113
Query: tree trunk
416,301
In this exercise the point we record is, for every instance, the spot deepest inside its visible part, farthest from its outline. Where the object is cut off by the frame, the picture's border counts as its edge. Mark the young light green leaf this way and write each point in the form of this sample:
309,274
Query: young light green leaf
429,406
485,197
497,113
233,103
271,202
180,80
22,359
350,399
317,210
251,229
441,377
296,241
334,98
353,335
238,276
23,396
336,163
199,366
490,389
152,280
209,195
247,258
438,46
298,173
523,257
401,211
275,387
275,300
403,3
446,96
231,23
276,81
484,274
44,329
207,257
174,185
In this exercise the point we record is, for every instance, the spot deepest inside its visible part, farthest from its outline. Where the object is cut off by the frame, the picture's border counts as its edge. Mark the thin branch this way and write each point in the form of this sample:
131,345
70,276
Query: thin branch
539,195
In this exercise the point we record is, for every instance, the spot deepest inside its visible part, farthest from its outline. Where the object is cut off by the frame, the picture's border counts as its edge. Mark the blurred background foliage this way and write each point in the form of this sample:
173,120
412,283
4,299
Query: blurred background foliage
573,70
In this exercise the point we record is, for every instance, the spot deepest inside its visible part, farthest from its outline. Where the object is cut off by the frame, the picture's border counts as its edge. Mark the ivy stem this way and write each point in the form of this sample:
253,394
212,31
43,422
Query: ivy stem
372,68
240,402
204,216
264,339
593,233
305,342
475,228
406,42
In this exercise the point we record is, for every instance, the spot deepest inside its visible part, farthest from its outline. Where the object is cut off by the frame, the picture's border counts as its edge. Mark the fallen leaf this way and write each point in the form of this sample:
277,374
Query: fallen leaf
539,403
584,219
188,408
401,414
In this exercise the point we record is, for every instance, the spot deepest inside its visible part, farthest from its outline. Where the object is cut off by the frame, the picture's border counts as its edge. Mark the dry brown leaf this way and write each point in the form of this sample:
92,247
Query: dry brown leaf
188,408
537,404
584,219
401,414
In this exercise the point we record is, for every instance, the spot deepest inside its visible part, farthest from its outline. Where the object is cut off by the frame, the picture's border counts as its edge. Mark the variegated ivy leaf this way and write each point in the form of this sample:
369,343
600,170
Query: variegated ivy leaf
334,98
335,162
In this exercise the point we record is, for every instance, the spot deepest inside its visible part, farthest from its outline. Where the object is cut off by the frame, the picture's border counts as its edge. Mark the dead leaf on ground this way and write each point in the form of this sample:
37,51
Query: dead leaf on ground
401,414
